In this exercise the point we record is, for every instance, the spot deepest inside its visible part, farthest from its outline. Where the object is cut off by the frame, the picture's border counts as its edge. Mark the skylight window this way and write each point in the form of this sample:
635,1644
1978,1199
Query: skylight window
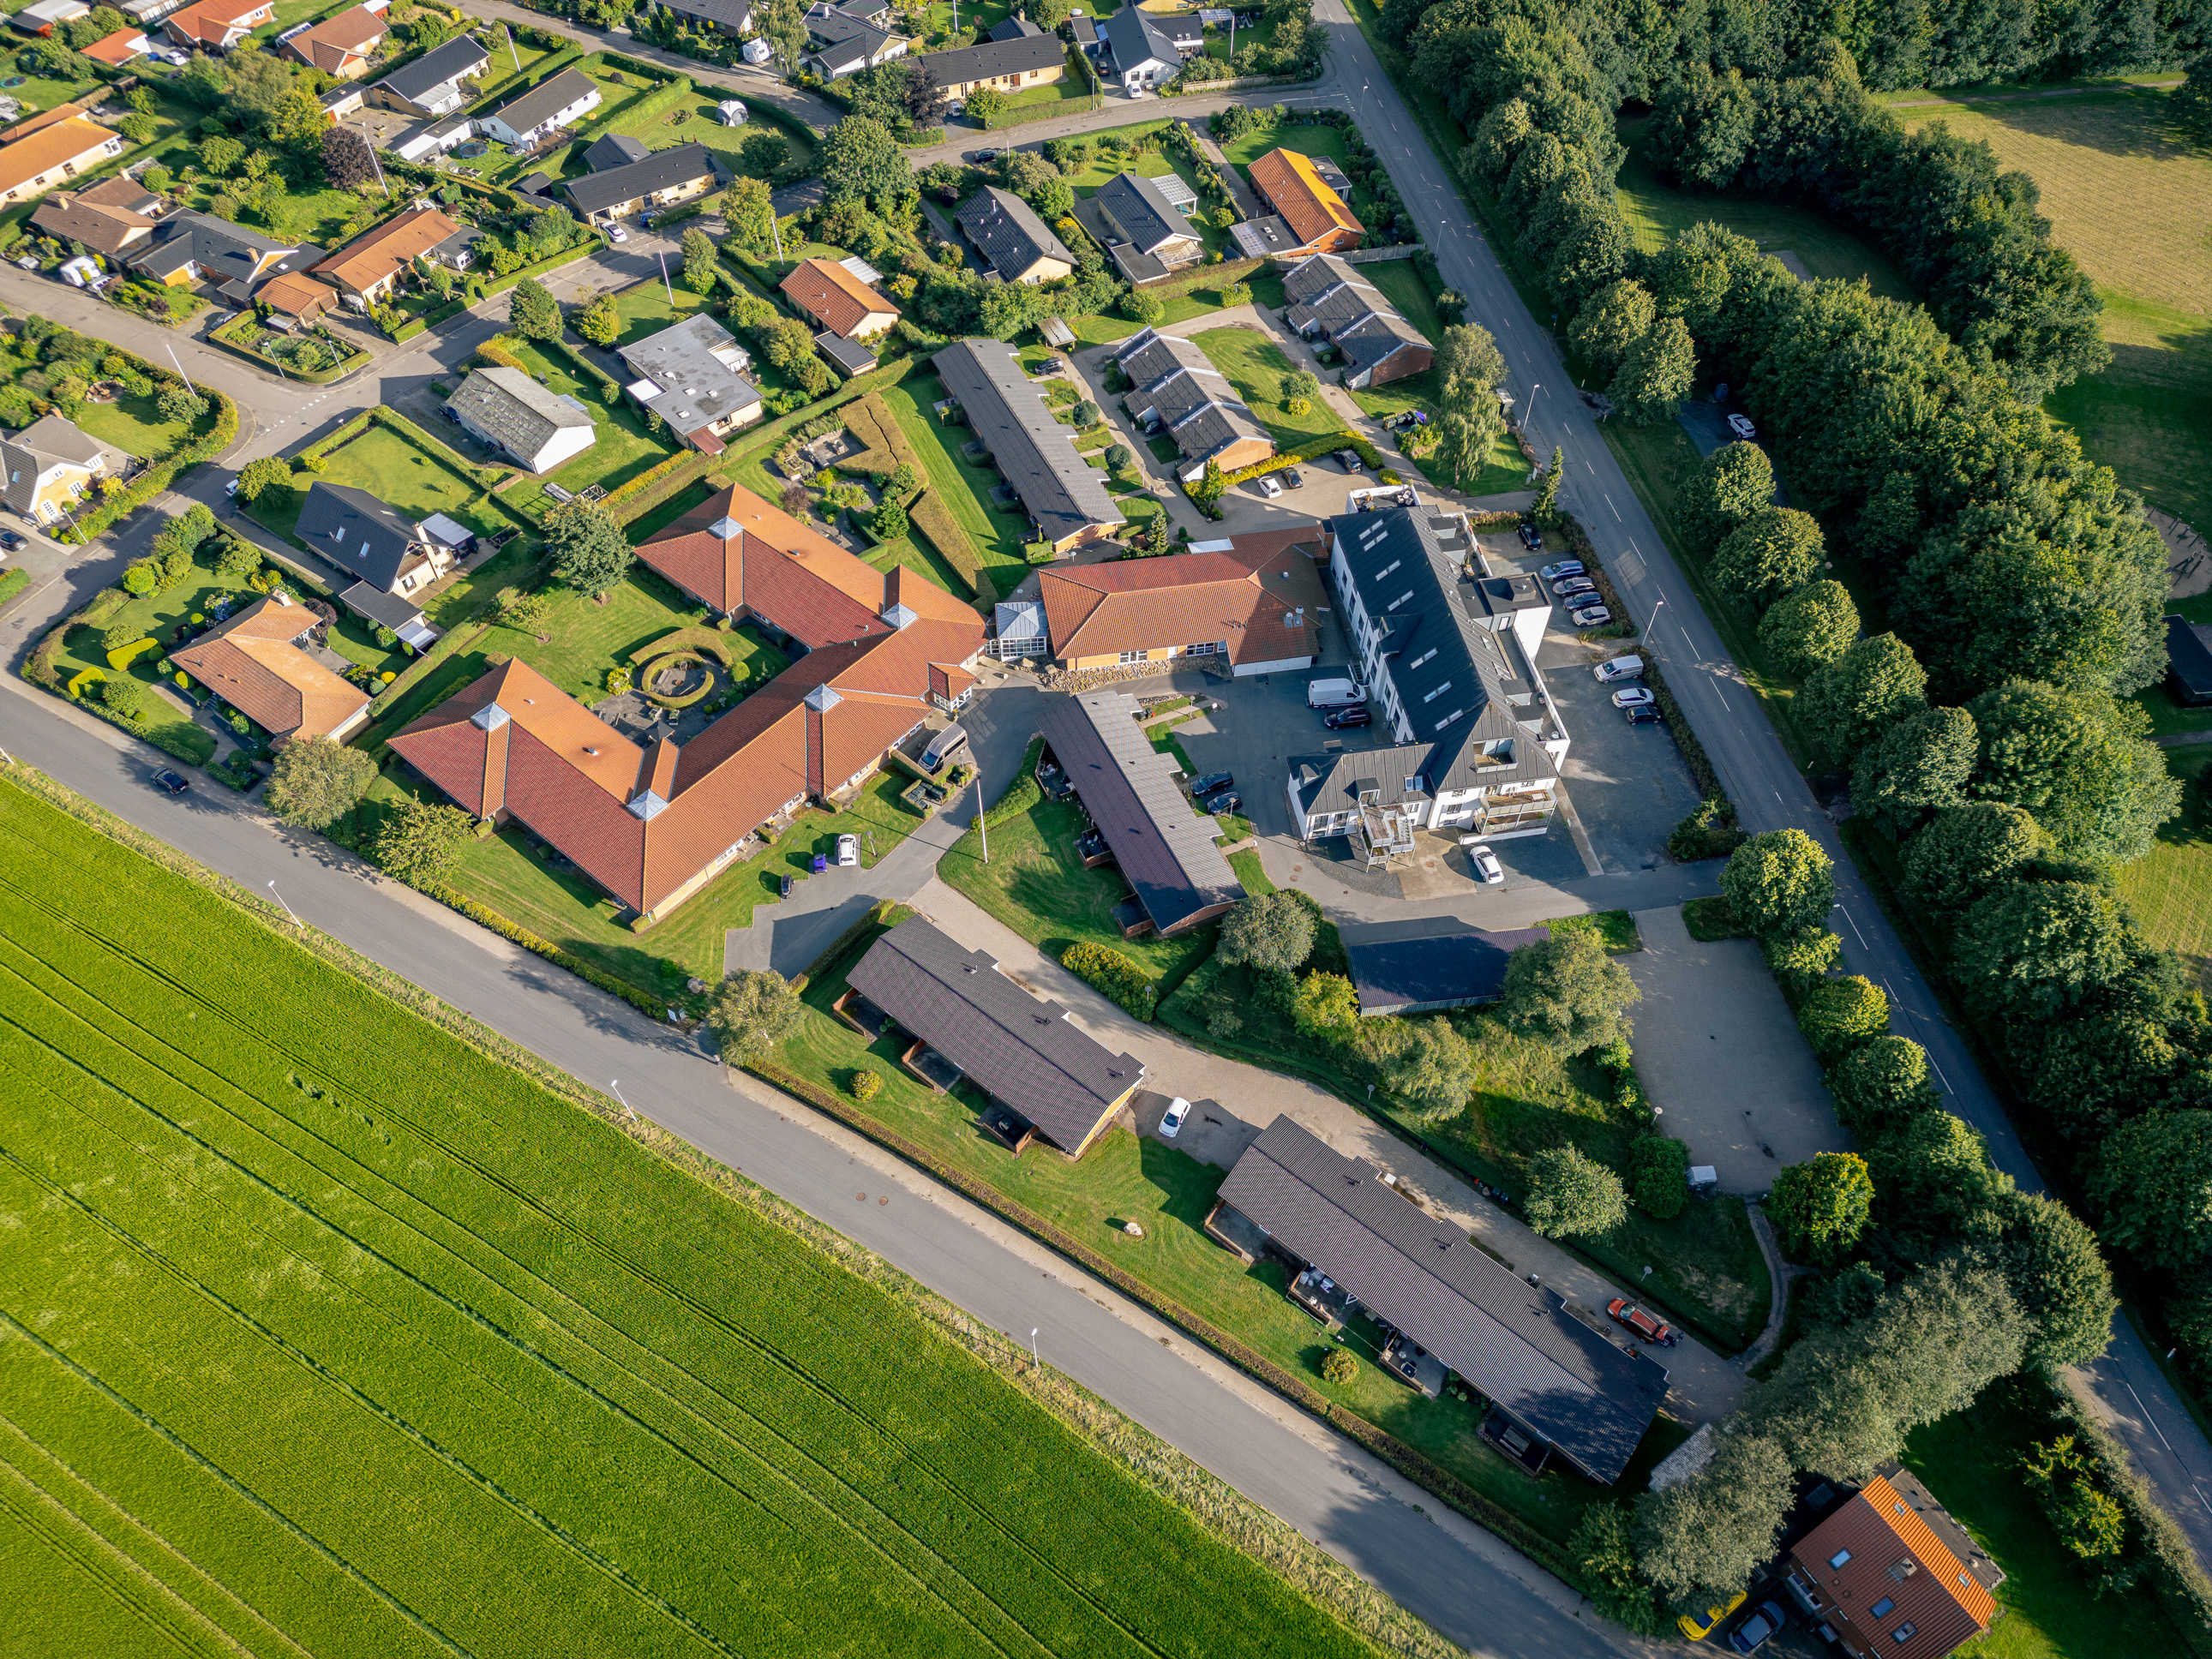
1438,692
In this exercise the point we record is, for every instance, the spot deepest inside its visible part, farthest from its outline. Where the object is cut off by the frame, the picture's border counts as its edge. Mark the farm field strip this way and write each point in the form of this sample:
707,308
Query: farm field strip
323,1340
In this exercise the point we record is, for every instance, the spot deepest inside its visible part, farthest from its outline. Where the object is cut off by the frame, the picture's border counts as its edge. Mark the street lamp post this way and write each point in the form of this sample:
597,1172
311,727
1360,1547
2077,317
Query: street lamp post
288,910
1034,1360
1656,609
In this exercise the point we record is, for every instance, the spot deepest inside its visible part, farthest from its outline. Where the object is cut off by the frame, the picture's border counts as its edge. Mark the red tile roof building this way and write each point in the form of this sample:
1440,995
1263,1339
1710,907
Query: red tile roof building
1315,214
253,662
653,825
1254,600
1879,1573
837,299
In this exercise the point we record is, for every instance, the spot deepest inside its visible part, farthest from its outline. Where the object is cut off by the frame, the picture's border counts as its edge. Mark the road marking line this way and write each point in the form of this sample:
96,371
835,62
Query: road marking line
2148,1418
1616,511
1863,946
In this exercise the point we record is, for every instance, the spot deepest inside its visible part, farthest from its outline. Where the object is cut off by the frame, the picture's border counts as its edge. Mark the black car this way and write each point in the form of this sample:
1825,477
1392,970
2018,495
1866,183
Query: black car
1357,714
1349,460
170,782
1531,537
10,540
1643,715
982,155
1210,782
1227,801
1292,478
784,884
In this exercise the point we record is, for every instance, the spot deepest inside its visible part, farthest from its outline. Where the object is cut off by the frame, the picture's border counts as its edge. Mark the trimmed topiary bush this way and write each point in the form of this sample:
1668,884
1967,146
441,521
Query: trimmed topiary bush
1339,1367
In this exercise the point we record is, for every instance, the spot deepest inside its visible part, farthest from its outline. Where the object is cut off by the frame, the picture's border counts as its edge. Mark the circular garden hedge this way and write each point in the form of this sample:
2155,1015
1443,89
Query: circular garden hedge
649,672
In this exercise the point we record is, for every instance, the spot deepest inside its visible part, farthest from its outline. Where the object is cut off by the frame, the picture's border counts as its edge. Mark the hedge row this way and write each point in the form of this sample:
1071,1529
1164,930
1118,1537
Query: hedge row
313,376
1114,976
657,484
871,419
1023,793
654,1008
155,479
12,585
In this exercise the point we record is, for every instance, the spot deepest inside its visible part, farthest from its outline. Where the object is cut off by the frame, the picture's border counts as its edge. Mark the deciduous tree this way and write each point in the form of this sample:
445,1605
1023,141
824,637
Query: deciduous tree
1837,1015
590,552
533,313
600,321
2082,762
749,211
2152,1184
421,843
348,161
700,260
1965,851
2036,950
1775,551
1880,1085
1809,628
1327,1005
1657,374
1567,992
1707,1535
860,160
262,474
750,1012
1780,883
1571,1194
1918,766
315,781
1846,705
1272,932
1821,1206
1607,329
2058,1274
1731,484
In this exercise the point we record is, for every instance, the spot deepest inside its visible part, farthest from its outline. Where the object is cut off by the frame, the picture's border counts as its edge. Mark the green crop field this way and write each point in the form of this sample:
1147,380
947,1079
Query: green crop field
326,1332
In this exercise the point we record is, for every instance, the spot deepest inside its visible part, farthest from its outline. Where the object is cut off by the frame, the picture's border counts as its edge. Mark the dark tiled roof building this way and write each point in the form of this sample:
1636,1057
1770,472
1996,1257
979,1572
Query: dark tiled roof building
1013,241
1066,498
1436,962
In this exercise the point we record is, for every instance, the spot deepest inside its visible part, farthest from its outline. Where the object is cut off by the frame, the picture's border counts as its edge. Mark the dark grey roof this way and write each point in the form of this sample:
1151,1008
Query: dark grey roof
459,55
1063,493
1084,31
1164,847
846,34
1020,1047
1177,384
545,100
50,438
853,357
1007,233
1514,1343
1134,37
1376,338
1326,295
1429,961
1256,238
1014,28
1141,211
357,531
617,150
1022,54
535,184
390,610
730,13
664,169
2188,662
226,253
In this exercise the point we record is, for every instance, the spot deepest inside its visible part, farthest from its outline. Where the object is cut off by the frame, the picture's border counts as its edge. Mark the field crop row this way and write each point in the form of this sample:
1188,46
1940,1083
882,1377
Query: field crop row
326,1333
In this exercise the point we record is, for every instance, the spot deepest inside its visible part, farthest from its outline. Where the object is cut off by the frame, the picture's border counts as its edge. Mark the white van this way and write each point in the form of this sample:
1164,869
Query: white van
1621,668
1333,694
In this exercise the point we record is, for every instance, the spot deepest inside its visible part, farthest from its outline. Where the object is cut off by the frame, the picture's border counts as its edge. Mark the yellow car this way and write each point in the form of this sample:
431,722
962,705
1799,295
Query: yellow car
1697,1626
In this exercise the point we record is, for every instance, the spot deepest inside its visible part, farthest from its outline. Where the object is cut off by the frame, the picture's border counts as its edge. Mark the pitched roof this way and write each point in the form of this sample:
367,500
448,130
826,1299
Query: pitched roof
1021,1047
848,35
353,32
297,295
664,169
1433,959
121,190
1036,454
1296,191
738,553
833,296
1021,54
103,228
368,259
44,443
694,385
118,48
1262,610
852,357
1173,380
462,55
251,663
1007,233
212,21
617,150
545,100
522,415
1013,28
730,13
644,823
1134,37
1141,211
229,256
357,531
1887,1537
41,151
1514,1343
1165,848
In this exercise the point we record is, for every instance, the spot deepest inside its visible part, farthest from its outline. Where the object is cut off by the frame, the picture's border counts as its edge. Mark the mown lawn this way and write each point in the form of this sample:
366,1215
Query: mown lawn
694,121
1255,365
2170,887
132,425
391,467
621,446
962,486
492,1378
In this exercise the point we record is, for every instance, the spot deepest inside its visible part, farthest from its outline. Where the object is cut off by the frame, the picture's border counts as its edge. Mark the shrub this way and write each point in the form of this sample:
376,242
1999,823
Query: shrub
1339,1368
866,1086
1113,974
1839,1014
750,1012
1570,1193
1659,1176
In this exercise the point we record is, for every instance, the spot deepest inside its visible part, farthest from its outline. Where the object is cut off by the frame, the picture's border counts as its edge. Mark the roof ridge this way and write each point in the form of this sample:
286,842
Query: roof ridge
1012,983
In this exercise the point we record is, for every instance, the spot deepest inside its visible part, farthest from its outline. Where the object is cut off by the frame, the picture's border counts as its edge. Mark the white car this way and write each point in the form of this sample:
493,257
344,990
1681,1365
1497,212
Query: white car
1741,425
617,234
1171,1120
848,850
1487,869
1633,696
1591,616
1271,487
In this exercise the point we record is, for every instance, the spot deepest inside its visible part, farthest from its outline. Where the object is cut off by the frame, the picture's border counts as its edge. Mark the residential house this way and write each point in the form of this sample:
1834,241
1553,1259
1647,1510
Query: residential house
436,138
1175,389
112,217
1066,498
662,180
1144,224
190,246
1011,240
437,83
1472,743
339,47
1329,301
295,299
506,409
217,25
1256,611
1009,66
2188,658
50,152
1062,1086
43,17
1889,1575
829,292
847,36
1435,964
1309,213
849,357
368,269
119,48
1084,33
1163,845
616,150
265,663
653,824
378,544
728,16
692,374
551,106
51,464
1554,1386
149,11
1014,28
1143,57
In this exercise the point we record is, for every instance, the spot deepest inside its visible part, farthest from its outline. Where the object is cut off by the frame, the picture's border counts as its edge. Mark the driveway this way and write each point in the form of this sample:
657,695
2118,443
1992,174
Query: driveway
1721,1058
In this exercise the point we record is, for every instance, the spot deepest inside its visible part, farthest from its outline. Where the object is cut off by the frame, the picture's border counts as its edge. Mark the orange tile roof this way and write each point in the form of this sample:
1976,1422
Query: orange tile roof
251,663
1295,191
117,48
834,297
368,259
213,20
42,151
1889,1553
551,762
1185,598
43,119
297,295
352,33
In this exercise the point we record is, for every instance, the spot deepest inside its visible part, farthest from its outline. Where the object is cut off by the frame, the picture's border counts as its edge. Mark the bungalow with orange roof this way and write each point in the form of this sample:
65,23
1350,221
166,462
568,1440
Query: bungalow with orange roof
1309,214
654,825
118,48
257,663
1255,606
217,25
366,269
840,303
294,299
39,154
1889,1575
340,46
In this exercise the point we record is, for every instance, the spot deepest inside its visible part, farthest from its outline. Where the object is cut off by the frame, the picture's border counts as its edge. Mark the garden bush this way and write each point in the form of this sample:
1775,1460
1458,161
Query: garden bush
1659,1176
1113,975
1339,1367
